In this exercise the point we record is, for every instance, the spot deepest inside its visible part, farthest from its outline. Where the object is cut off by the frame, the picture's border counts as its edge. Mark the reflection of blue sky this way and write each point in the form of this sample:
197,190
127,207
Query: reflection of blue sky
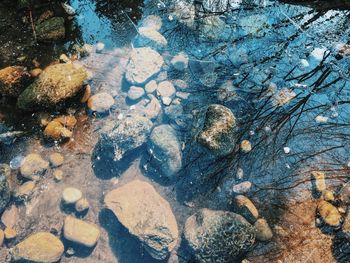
96,28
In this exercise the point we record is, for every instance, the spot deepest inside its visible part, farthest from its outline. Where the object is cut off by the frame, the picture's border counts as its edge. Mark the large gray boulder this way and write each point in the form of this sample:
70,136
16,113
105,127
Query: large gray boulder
54,85
216,129
165,149
218,236
146,215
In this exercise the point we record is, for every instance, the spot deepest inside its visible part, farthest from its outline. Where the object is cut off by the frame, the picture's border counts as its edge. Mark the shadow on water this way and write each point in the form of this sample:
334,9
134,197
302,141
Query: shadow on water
126,247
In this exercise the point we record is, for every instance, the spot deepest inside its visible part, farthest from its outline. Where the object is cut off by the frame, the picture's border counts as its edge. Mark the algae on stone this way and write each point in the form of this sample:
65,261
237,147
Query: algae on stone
54,85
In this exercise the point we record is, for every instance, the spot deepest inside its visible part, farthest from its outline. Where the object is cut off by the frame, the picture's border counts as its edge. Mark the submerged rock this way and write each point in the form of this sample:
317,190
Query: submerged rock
25,189
82,205
218,236
146,215
152,21
68,121
151,86
263,230
246,208
319,181
127,135
5,193
81,232
56,131
143,64
217,132
33,166
71,195
39,247
100,102
13,80
56,159
135,93
153,108
165,150
166,89
329,213
51,30
54,85
149,37
180,61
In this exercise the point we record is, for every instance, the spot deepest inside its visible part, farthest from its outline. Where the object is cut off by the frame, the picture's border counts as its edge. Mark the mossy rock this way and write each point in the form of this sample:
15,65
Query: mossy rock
51,30
55,84
218,236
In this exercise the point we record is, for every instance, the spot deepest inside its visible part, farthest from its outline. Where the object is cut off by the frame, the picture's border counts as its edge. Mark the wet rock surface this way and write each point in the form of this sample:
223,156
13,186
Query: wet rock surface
54,85
146,215
217,132
81,232
127,135
165,150
33,166
39,247
143,64
218,236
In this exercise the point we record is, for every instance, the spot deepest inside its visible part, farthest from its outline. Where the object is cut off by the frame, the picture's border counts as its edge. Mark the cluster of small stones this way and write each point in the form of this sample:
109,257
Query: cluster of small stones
146,73
327,212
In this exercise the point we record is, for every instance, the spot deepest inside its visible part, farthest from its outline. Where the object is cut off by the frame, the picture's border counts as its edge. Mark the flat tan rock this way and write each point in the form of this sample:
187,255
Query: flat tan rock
147,215
81,232
39,247
33,166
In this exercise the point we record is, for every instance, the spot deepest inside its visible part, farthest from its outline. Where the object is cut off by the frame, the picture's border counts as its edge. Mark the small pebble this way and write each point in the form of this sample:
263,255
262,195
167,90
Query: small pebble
64,59
58,175
246,146
70,252
10,233
240,173
2,237
166,101
135,93
82,205
286,150
328,195
87,94
25,189
100,102
35,72
242,188
100,47
71,195
151,86
56,159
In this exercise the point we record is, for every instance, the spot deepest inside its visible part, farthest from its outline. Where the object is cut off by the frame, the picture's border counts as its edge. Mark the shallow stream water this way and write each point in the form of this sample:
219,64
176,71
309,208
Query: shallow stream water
280,68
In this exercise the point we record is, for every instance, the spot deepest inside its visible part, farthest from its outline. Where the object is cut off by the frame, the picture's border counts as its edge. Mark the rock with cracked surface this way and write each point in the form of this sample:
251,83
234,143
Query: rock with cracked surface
127,135
143,64
217,125
39,247
218,236
146,215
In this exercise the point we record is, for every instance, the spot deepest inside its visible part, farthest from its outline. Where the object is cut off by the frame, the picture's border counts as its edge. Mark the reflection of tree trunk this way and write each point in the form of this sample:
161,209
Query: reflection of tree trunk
321,4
